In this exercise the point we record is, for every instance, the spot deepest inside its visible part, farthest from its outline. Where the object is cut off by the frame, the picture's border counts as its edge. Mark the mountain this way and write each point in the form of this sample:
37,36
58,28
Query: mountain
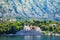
27,9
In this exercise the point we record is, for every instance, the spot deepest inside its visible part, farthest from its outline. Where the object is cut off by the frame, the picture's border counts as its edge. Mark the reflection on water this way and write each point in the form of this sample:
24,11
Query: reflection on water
32,37
29,38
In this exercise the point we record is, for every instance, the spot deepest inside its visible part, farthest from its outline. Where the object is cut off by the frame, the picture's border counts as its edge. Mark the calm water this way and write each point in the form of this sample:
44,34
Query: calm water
29,38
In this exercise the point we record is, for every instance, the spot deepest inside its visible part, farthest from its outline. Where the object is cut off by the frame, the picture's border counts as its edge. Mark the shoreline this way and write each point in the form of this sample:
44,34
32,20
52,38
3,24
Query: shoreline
49,34
53,34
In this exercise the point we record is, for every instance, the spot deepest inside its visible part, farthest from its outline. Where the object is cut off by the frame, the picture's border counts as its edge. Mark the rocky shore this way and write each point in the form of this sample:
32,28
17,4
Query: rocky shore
53,34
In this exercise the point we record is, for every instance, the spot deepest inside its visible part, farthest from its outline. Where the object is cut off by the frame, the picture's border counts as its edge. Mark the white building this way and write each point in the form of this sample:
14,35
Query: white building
12,19
38,29
26,28
55,25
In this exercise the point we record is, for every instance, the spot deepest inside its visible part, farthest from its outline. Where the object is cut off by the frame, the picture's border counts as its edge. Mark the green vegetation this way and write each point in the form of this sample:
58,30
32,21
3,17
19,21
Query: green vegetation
7,27
10,27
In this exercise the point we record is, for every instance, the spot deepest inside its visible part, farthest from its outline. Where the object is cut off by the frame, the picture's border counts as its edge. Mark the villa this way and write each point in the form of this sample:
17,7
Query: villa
36,28
12,19
54,25
26,28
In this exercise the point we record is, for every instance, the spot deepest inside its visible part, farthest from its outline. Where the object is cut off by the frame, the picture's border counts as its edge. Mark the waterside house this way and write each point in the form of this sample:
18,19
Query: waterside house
26,28
53,25
36,28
